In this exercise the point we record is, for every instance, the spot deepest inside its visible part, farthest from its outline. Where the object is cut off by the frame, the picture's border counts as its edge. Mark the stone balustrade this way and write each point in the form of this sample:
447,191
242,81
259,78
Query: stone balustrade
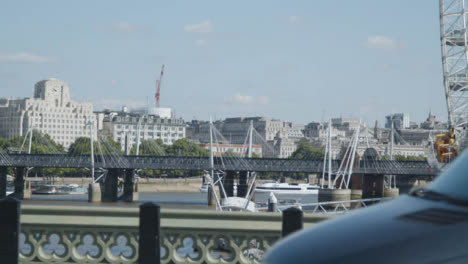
82,234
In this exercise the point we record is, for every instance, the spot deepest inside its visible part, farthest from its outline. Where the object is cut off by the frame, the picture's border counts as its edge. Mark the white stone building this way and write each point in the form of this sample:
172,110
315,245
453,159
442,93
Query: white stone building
117,125
50,111
237,149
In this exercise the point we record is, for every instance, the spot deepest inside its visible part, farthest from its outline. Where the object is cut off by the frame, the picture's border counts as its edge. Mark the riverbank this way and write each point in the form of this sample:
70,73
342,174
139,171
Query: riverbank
169,185
147,185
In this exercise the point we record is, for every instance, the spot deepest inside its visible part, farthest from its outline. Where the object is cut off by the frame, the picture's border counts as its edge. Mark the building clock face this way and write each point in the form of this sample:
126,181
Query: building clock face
55,91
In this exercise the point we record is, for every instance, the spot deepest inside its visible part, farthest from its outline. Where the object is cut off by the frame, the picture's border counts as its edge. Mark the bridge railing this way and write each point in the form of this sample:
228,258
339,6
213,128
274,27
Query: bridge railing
77,234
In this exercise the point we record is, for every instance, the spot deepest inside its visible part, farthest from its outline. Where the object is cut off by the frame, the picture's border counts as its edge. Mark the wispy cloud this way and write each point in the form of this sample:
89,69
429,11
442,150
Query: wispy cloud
382,43
24,57
201,43
295,19
248,99
122,27
203,27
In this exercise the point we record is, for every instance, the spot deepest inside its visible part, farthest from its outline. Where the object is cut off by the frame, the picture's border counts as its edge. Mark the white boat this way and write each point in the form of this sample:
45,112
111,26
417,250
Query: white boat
276,187
45,189
60,189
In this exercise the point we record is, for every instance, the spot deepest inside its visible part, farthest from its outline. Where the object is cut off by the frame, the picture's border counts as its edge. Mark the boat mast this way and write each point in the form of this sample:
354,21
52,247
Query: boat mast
91,139
138,137
250,139
329,156
353,154
30,140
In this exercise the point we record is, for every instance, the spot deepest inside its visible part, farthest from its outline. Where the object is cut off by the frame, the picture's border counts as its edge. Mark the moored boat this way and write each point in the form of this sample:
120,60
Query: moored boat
276,187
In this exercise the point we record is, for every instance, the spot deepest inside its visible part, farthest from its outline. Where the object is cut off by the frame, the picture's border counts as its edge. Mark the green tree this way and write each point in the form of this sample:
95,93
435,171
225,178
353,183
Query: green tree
150,148
305,150
183,147
81,146
4,145
41,144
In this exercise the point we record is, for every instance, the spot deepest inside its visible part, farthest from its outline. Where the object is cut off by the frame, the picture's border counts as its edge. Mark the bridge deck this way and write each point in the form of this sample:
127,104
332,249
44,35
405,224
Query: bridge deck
202,163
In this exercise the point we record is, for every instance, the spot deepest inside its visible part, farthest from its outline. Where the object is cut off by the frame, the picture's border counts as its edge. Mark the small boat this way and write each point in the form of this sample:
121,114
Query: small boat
275,187
45,189
60,189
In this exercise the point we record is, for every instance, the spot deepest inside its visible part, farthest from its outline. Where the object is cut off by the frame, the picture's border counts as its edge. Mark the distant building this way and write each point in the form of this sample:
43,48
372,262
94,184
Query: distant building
282,147
349,125
320,130
119,125
400,121
236,149
50,111
235,131
432,123
413,125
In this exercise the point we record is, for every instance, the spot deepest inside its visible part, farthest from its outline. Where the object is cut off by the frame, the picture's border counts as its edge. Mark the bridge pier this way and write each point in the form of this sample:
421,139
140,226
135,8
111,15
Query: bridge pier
229,183
335,195
391,192
22,186
373,186
109,186
356,186
242,187
3,181
130,187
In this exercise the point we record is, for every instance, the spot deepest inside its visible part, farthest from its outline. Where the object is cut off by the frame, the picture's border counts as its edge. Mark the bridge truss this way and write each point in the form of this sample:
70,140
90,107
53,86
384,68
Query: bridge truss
225,164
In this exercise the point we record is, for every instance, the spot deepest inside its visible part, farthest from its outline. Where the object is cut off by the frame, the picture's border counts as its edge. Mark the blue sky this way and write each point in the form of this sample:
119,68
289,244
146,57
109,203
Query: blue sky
300,61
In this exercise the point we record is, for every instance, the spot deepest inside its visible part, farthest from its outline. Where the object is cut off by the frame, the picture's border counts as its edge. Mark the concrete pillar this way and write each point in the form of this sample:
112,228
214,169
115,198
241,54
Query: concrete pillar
391,192
242,187
109,190
3,181
211,200
229,183
27,193
356,194
94,193
335,195
130,187
373,186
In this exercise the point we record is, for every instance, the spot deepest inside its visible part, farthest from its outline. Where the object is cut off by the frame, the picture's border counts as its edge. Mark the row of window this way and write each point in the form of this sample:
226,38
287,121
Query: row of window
159,127
165,140
77,133
121,136
40,110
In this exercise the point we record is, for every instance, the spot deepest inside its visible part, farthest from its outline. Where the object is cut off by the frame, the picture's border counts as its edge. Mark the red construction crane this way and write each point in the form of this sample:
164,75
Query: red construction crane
158,86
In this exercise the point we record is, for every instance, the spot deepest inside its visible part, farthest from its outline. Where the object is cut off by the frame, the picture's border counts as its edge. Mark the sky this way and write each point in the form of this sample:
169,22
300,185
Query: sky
298,61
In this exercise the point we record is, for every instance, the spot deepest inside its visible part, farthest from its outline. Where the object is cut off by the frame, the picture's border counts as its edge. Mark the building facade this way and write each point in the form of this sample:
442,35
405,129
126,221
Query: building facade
118,125
50,111
400,121
236,149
